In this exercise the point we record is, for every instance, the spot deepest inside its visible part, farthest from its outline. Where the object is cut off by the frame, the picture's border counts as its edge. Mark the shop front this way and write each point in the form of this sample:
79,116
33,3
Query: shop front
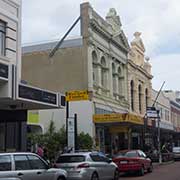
115,132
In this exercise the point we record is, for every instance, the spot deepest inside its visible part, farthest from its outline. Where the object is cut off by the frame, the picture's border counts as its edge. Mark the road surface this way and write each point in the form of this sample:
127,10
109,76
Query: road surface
169,171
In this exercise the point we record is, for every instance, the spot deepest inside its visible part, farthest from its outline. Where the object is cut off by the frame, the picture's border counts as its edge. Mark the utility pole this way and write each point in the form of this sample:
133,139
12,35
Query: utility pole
159,137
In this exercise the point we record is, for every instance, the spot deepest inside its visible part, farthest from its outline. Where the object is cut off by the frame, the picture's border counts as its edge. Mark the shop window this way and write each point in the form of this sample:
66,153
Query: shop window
2,37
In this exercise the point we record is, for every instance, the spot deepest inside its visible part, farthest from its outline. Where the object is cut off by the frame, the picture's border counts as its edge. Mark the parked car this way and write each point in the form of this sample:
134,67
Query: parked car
27,166
88,166
176,153
133,161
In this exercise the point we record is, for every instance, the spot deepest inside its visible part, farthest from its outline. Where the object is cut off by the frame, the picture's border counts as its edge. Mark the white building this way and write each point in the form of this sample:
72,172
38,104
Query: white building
16,98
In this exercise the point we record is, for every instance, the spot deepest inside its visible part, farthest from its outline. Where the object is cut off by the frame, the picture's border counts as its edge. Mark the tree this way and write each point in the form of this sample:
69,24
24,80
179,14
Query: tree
84,141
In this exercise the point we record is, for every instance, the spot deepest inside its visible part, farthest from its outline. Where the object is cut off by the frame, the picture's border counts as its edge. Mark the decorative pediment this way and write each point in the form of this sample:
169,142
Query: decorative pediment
121,39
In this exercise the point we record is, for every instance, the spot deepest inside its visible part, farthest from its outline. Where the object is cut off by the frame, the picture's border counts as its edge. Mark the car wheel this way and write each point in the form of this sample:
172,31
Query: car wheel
141,171
94,176
116,175
61,178
150,169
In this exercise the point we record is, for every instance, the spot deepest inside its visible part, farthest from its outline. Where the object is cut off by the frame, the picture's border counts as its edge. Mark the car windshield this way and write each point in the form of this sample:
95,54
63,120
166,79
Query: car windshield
71,159
176,149
131,154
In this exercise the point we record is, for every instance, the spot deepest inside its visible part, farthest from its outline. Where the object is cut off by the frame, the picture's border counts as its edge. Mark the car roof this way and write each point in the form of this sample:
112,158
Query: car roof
18,153
80,153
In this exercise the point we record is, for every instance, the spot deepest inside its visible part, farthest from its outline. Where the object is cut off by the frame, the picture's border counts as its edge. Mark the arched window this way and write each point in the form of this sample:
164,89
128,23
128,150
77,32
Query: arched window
103,72
94,60
132,95
140,101
146,97
120,81
113,77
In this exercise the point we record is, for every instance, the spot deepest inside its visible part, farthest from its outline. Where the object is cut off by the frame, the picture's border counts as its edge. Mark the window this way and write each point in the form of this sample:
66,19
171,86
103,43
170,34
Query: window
113,77
2,37
71,159
146,96
95,61
36,163
132,95
21,162
5,163
139,90
103,72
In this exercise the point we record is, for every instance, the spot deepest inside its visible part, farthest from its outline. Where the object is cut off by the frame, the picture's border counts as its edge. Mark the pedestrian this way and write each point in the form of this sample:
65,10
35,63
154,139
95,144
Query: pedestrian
40,151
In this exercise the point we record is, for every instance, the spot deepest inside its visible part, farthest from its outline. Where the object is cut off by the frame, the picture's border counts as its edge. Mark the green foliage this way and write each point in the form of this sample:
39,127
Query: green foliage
84,141
55,141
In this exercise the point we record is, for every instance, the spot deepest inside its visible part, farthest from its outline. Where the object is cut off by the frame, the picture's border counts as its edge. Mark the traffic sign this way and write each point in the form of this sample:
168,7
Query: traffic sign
151,112
77,95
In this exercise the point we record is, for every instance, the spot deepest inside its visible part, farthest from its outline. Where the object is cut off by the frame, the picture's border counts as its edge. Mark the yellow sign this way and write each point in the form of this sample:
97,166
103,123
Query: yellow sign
77,95
33,117
118,129
110,118
105,118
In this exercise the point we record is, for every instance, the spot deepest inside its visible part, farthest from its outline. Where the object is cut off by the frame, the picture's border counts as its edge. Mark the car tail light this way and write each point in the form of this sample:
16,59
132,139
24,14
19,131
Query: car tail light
84,165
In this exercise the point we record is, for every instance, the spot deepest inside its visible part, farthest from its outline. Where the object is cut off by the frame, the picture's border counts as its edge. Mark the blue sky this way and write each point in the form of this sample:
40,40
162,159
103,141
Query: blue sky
157,20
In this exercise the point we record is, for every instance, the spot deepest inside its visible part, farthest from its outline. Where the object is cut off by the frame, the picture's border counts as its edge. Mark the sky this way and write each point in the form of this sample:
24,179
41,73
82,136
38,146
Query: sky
157,20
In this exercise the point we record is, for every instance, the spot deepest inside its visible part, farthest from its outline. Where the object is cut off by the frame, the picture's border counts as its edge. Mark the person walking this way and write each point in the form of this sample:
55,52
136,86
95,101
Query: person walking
40,151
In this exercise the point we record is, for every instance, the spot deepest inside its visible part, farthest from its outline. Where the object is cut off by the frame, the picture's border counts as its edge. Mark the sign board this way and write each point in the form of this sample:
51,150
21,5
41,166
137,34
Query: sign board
35,94
77,95
151,112
71,132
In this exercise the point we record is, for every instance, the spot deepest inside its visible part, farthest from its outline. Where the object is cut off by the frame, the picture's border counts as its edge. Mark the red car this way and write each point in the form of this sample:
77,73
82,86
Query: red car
133,161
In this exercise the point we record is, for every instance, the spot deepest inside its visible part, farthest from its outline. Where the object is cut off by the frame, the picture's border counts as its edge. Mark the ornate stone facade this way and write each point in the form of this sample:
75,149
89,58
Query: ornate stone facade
139,77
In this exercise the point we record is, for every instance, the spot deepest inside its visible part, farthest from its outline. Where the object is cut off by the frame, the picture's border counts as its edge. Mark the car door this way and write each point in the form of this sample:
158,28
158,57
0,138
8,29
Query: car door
108,167
100,165
6,166
40,168
22,168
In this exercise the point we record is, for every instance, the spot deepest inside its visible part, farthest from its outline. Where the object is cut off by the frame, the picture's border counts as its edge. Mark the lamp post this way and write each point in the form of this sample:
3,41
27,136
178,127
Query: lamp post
159,135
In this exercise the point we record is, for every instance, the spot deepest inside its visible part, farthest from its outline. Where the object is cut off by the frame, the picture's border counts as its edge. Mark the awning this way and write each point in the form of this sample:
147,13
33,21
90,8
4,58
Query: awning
116,117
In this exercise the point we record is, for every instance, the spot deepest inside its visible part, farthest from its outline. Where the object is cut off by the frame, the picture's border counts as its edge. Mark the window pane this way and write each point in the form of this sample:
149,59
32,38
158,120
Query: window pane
21,162
2,38
70,159
5,163
36,163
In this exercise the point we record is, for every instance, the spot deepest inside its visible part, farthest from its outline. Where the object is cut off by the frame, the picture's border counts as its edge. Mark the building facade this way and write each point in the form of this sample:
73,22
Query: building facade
97,62
15,97
139,87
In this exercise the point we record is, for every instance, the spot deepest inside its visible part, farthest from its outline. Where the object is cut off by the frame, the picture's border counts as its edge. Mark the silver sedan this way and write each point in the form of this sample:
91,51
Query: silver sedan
89,166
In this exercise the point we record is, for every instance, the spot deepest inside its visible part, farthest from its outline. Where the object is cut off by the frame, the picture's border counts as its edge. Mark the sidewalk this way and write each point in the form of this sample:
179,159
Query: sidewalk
155,164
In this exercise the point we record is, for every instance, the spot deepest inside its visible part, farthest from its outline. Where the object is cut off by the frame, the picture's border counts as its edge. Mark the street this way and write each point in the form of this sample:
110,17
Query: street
163,172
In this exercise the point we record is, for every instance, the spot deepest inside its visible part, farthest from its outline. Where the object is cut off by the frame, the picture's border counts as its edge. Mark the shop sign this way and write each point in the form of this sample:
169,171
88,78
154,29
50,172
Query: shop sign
135,119
35,94
118,129
77,95
109,118
33,117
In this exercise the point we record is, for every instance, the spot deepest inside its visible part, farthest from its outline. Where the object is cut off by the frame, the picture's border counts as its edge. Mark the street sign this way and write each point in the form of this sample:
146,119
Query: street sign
151,112
77,95
71,133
